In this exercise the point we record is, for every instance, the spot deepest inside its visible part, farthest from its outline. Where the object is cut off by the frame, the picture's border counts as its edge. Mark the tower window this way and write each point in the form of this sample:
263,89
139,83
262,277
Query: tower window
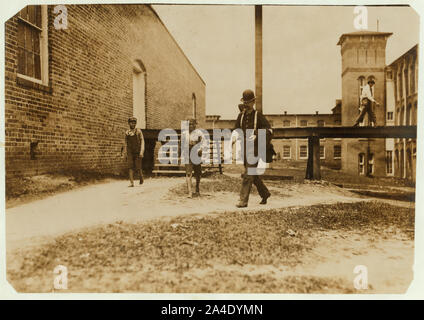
389,162
361,163
370,163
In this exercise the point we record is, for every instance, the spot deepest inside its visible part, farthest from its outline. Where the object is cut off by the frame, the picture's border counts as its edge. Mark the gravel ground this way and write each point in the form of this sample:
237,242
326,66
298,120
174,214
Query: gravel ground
240,251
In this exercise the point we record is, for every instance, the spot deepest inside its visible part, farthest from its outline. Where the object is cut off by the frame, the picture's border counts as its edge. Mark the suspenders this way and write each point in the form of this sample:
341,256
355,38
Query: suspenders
255,122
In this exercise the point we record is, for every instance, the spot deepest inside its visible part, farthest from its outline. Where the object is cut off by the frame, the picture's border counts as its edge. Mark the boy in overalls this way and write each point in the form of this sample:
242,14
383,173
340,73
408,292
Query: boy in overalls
134,143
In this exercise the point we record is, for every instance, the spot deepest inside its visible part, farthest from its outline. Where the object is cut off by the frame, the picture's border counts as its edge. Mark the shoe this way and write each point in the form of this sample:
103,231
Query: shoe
131,185
264,199
141,180
241,205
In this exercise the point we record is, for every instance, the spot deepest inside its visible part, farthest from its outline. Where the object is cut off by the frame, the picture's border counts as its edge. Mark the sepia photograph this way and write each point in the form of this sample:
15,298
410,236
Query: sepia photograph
210,148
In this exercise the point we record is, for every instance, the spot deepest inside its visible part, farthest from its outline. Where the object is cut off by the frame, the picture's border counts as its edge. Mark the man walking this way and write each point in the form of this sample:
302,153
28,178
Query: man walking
366,100
134,143
246,120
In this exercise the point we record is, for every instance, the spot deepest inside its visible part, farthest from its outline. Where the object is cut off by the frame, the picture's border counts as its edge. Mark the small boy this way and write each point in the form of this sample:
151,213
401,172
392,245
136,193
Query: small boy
190,167
134,143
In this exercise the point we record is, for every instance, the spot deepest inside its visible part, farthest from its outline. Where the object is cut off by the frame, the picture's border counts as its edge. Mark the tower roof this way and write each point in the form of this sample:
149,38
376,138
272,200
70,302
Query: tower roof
362,33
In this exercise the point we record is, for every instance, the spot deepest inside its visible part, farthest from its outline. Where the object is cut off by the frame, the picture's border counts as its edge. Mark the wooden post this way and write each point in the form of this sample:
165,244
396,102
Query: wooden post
258,56
313,170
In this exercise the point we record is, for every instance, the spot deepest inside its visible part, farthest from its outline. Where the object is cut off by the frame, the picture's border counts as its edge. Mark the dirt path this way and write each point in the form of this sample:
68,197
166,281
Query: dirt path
113,201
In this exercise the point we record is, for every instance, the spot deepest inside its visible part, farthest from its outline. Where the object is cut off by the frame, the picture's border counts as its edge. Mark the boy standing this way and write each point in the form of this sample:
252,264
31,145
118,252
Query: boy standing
134,143
190,167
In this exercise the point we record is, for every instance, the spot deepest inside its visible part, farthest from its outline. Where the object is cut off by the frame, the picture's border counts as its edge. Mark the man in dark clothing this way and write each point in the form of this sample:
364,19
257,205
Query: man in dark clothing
246,120
366,108
134,143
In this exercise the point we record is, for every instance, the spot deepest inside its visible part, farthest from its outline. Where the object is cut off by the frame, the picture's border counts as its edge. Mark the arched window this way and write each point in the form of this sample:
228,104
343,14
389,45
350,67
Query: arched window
139,93
408,115
361,164
402,116
194,105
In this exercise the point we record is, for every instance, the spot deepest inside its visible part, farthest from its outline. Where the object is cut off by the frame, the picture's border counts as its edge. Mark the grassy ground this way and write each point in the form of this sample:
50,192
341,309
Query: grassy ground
203,254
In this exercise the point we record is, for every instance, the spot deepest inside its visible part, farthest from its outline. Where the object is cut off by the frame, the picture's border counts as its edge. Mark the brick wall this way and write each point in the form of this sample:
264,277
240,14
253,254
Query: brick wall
79,119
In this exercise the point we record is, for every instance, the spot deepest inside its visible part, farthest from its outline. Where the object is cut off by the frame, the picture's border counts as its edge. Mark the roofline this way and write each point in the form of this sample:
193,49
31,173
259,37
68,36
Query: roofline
175,41
400,57
352,34
288,114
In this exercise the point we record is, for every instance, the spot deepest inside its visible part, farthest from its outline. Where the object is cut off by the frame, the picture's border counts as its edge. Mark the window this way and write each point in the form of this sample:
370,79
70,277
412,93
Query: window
413,77
361,163
406,81
286,152
286,123
303,152
389,162
408,115
139,93
32,44
337,152
320,123
321,152
370,164
194,105
390,115
395,88
303,123
361,83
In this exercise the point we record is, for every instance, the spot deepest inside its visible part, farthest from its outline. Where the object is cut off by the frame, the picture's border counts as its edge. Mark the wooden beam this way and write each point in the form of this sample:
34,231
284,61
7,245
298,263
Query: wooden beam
326,132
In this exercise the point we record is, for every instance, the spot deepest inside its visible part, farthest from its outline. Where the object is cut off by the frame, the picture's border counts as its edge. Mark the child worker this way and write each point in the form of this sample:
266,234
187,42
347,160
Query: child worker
134,143
190,166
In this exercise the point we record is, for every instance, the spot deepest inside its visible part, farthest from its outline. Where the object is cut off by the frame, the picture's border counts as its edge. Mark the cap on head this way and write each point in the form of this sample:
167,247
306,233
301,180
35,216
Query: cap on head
248,96
371,81
132,119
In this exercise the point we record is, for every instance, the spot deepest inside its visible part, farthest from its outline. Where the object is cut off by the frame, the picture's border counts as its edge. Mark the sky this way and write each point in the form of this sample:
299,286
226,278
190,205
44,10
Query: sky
301,59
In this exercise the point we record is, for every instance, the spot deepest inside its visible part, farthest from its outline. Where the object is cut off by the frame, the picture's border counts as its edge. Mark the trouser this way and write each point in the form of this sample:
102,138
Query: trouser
364,111
246,185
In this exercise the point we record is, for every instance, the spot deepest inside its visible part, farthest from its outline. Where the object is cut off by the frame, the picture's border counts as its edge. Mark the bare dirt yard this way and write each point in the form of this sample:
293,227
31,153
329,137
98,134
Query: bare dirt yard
152,238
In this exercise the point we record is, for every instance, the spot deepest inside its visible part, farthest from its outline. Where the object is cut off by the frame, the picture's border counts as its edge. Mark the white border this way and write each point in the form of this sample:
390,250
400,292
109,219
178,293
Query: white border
416,290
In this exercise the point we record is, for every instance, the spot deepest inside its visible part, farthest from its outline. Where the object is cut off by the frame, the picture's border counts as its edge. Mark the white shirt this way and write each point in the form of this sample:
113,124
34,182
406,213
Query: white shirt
368,92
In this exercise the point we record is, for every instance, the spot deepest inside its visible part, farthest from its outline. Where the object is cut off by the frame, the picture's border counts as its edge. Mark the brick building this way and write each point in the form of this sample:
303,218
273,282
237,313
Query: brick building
69,92
363,58
403,94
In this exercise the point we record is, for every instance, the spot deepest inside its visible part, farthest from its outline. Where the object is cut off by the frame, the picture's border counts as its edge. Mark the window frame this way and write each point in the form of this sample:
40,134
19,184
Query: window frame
334,152
300,152
289,157
323,156
44,55
361,164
